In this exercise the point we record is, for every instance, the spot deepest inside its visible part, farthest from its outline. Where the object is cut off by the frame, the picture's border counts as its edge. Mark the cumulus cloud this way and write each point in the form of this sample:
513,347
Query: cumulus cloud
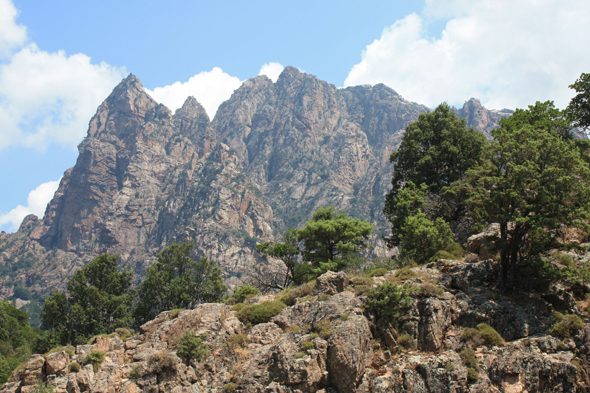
508,54
210,88
272,70
36,203
50,97
11,34
46,97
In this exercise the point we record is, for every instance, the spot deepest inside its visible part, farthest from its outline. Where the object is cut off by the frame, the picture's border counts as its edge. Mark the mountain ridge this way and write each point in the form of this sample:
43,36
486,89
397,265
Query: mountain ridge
273,153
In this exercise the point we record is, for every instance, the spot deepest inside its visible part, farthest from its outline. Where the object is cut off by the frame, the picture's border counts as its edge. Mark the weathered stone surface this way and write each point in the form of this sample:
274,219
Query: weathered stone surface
57,362
332,283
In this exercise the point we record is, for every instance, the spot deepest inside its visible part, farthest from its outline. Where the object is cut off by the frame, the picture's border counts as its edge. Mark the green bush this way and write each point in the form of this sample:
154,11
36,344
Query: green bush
381,271
307,345
429,290
161,361
563,259
452,251
324,328
134,372
260,313
566,325
237,307
300,355
42,387
190,347
230,387
74,367
95,358
289,295
405,341
387,300
236,341
344,317
468,358
404,274
470,334
174,313
245,292
489,335
472,374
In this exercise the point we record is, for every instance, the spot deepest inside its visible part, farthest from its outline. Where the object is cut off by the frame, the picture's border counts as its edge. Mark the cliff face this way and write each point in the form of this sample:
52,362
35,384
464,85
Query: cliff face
274,153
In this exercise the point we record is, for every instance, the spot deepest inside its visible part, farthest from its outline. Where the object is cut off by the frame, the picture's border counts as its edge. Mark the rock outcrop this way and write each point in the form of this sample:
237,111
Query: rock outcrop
334,343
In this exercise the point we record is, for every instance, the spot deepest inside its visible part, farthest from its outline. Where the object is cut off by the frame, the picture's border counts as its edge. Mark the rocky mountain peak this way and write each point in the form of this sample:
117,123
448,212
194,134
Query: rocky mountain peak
130,98
477,116
190,109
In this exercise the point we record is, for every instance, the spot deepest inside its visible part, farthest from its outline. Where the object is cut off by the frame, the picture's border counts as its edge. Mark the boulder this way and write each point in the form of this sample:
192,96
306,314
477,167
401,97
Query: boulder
332,283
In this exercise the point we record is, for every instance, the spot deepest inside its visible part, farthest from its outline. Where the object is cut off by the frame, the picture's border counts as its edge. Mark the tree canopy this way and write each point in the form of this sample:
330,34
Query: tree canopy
578,109
532,182
436,150
178,281
98,300
329,241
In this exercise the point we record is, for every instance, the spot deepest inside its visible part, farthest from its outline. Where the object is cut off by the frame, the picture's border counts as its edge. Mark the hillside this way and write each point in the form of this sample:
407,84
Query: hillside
274,152
331,340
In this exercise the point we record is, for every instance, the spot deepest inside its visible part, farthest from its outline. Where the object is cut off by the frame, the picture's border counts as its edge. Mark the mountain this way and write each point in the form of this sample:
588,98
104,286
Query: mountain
274,153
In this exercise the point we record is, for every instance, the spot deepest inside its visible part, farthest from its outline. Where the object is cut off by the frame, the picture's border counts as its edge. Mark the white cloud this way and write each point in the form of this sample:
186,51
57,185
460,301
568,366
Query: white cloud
46,97
11,34
272,70
210,88
50,97
507,54
36,203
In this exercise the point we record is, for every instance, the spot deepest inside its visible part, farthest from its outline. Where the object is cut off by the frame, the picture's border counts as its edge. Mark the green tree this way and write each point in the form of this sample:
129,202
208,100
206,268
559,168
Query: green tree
178,281
16,339
578,109
534,184
297,270
436,150
98,300
422,238
332,236
542,116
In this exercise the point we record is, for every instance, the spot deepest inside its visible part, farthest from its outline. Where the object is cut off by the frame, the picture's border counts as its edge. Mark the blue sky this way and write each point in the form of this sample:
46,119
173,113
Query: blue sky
59,59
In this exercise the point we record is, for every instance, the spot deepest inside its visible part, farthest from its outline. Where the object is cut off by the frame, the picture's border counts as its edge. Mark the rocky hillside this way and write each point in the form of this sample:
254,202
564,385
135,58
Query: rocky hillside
274,153
330,340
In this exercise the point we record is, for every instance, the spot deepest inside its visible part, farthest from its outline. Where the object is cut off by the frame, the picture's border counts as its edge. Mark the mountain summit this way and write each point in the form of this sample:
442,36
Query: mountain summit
274,153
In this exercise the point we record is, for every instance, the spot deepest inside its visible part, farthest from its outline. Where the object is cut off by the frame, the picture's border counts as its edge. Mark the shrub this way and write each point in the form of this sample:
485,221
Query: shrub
74,367
289,295
470,334
300,355
313,336
134,372
293,329
174,313
452,251
563,259
323,297
472,374
307,345
387,300
237,307
404,274
489,335
344,317
429,290
468,357
362,285
405,341
260,313
161,361
95,358
566,325
42,387
230,387
124,334
492,295
449,366
381,271
190,347
245,292
236,341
